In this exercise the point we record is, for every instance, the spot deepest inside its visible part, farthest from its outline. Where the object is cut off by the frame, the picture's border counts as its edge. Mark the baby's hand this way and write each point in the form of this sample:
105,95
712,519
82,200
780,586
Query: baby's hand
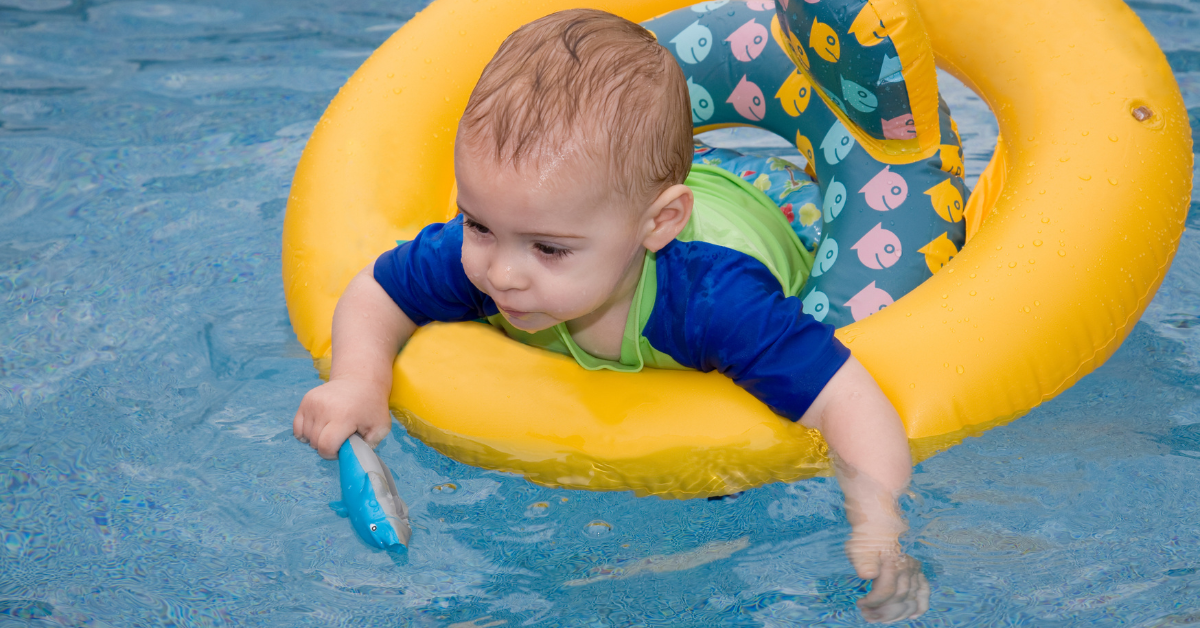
898,589
331,412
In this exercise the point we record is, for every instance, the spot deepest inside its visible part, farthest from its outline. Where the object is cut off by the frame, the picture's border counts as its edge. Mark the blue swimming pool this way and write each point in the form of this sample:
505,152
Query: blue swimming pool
149,374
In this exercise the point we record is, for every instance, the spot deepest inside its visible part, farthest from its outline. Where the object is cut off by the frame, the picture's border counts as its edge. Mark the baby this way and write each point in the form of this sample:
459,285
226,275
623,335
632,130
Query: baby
586,229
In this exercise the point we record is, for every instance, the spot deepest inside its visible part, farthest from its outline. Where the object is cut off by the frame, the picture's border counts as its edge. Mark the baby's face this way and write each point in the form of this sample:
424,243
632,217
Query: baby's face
549,244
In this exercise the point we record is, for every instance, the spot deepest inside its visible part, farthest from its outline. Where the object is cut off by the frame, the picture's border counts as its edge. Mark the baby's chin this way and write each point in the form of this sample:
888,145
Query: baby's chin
532,322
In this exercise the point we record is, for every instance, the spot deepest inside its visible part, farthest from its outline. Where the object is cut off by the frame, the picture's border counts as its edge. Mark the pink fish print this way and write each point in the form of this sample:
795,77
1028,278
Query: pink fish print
747,98
878,249
763,5
748,41
900,128
868,301
886,190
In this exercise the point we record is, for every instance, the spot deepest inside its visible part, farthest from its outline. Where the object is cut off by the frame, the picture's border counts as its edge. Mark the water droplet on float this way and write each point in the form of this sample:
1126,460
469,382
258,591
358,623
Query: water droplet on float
1037,242
449,488
1012,264
973,293
1112,181
597,529
960,369
1026,308
1062,253
1113,138
1085,177
391,74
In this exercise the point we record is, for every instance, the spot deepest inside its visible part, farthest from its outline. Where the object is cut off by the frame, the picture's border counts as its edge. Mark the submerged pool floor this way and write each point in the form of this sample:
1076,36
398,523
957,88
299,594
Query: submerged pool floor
149,374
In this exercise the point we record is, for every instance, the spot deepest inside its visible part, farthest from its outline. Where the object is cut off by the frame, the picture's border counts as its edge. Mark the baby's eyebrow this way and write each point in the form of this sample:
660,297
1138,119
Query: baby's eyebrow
534,234
562,236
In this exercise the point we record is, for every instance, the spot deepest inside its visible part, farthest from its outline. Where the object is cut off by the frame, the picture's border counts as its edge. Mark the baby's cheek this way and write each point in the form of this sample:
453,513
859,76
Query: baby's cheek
475,269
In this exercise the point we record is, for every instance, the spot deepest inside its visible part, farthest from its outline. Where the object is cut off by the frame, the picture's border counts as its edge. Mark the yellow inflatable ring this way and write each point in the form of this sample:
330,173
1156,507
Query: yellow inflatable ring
1074,224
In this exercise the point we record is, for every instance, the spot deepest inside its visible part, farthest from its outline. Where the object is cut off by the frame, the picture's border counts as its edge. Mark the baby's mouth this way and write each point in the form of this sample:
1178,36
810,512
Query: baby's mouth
514,313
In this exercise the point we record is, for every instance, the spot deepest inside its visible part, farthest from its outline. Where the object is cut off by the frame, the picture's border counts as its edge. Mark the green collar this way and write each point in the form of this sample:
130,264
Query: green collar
639,312
636,352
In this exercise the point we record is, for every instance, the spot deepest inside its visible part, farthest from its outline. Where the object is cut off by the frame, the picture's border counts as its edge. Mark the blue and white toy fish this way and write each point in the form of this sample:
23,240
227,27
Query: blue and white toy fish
370,498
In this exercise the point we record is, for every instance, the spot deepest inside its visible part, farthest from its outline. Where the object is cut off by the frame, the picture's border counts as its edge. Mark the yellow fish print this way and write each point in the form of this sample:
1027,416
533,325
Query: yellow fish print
795,93
804,145
868,28
952,160
938,252
824,40
790,44
947,200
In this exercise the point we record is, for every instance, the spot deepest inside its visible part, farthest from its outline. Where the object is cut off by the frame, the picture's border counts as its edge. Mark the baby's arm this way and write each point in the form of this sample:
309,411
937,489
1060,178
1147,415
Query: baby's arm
873,466
368,330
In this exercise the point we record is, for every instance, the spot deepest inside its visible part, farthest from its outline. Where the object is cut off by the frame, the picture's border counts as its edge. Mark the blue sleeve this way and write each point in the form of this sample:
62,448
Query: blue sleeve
425,277
719,309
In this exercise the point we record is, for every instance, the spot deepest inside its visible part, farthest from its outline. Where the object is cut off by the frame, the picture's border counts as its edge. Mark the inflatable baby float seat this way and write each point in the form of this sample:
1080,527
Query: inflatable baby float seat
1095,133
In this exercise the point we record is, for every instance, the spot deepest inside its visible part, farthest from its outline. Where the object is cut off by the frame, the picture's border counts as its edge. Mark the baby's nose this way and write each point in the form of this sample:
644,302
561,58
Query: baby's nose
503,277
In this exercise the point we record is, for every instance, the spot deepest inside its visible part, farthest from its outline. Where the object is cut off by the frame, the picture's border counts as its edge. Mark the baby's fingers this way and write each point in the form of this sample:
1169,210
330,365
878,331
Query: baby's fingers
375,434
311,418
895,593
298,425
922,596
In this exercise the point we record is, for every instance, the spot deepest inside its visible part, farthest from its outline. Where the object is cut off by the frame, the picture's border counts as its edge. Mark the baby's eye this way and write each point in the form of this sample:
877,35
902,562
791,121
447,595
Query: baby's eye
476,227
553,252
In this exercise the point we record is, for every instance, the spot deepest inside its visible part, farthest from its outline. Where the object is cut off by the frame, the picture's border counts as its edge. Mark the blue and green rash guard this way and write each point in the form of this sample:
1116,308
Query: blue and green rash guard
722,296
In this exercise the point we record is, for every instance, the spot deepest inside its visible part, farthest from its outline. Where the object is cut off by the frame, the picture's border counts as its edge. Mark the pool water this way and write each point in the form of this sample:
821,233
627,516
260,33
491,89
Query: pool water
149,375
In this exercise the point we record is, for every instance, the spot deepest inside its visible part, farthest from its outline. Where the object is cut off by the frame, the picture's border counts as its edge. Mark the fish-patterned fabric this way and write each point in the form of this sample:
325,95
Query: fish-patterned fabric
885,227
847,50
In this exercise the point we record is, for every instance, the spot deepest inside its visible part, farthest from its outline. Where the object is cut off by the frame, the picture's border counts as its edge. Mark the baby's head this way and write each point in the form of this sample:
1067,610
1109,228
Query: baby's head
570,160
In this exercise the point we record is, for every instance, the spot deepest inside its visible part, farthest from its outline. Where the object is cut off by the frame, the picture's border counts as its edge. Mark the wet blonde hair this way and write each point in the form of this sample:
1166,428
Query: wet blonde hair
591,81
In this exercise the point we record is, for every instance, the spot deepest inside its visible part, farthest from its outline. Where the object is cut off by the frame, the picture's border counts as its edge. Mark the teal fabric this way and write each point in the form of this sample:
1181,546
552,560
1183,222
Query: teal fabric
885,228
864,81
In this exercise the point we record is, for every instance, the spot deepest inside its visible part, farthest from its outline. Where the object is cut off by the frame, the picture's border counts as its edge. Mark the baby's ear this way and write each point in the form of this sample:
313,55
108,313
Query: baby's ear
667,216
